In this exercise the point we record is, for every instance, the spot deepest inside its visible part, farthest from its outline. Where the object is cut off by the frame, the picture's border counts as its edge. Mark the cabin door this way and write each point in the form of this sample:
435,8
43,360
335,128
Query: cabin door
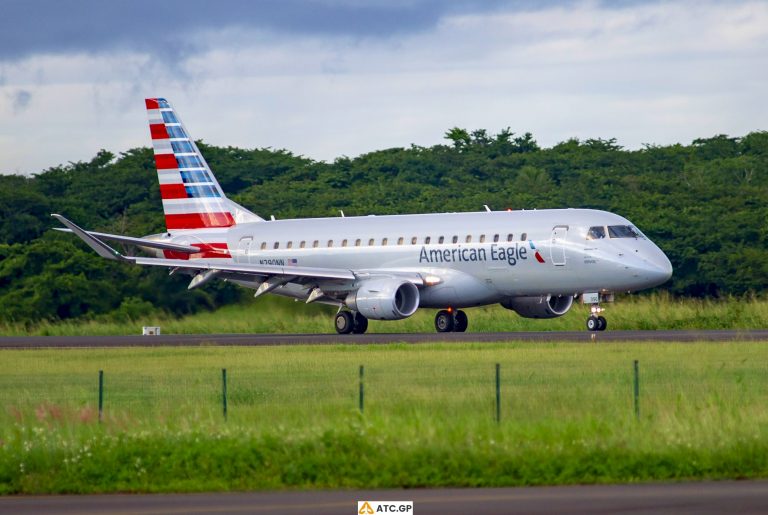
557,244
243,250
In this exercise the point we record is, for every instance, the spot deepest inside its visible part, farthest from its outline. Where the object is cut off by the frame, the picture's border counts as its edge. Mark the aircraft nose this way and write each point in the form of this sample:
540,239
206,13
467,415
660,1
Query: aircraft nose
658,268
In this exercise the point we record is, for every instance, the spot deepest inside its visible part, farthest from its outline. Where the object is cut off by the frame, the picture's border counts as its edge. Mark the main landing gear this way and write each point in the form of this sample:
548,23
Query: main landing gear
596,322
448,320
350,322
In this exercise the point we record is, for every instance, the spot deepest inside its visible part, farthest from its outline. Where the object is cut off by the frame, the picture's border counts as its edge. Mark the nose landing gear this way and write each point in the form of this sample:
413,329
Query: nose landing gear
596,322
448,320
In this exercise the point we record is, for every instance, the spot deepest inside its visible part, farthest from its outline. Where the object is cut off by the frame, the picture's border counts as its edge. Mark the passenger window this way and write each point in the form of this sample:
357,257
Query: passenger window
330,243
455,239
469,239
524,236
343,243
427,240
441,239
303,244
495,238
315,244
384,241
596,233
263,245
482,238
413,240
290,245
357,242
370,242
276,245
510,237
400,240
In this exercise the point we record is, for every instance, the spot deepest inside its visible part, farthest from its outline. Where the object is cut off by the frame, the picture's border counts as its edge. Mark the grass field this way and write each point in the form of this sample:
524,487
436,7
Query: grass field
293,421
277,315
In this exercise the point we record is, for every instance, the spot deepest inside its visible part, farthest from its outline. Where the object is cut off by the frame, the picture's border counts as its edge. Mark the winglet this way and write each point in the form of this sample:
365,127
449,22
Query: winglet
101,248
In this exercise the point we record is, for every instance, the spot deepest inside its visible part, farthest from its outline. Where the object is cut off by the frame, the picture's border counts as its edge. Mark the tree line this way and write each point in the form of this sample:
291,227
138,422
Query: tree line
705,204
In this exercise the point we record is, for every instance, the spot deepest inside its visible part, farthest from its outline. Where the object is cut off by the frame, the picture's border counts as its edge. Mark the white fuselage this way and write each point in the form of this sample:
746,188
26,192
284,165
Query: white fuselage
478,258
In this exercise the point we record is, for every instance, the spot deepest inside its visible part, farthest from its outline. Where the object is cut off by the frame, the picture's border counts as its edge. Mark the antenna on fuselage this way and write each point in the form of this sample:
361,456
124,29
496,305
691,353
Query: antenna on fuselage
487,208
342,213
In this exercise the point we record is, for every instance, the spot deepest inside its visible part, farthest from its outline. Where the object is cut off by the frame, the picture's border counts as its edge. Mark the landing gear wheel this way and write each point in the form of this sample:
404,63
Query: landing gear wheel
460,322
602,323
344,322
593,324
360,324
444,322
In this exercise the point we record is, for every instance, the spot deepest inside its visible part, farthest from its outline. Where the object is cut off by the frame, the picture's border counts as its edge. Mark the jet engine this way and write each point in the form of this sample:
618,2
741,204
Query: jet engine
384,299
544,306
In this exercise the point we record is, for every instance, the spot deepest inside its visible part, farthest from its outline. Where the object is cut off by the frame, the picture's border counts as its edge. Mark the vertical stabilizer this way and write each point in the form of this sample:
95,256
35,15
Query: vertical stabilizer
192,198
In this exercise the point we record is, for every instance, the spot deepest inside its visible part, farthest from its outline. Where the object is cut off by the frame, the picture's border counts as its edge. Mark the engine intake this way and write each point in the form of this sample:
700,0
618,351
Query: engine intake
545,306
384,299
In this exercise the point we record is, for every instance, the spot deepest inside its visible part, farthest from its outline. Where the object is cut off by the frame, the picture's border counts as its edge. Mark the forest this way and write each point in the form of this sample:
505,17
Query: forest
705,204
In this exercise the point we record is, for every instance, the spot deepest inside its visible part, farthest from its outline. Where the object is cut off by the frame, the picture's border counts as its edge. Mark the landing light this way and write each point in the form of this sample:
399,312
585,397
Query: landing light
432,280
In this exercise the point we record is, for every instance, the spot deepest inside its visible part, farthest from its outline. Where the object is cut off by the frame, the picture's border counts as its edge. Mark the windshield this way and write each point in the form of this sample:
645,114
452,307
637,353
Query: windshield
596,233
623,231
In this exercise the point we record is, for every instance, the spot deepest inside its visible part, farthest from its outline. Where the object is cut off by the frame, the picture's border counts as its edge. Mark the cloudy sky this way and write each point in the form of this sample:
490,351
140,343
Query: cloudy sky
326,78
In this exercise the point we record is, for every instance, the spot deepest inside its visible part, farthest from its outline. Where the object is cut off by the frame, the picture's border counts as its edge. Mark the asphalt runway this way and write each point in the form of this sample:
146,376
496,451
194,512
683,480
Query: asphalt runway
743,497
192,340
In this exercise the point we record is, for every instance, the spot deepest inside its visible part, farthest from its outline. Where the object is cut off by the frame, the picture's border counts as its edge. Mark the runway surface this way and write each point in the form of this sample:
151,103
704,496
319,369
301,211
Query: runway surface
743,497
191,340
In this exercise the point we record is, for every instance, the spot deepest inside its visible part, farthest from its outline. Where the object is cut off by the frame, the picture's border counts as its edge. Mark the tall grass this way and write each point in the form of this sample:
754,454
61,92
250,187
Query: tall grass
278,315
567,416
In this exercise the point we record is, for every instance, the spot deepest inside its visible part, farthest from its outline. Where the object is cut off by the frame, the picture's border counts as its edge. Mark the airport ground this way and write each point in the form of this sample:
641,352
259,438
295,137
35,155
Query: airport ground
567,413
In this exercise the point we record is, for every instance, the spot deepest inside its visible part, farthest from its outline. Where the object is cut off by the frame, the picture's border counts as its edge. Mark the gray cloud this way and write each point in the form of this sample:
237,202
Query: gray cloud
175,28
20,100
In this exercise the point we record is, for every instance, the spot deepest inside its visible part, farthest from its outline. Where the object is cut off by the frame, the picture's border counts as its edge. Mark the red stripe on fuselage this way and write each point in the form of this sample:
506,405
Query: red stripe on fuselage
198,220
158,131
151,103
207,250
169,191
166,162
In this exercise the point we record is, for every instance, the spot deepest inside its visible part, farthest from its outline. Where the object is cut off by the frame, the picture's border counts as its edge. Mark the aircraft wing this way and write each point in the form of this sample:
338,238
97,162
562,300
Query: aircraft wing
187,249
108,252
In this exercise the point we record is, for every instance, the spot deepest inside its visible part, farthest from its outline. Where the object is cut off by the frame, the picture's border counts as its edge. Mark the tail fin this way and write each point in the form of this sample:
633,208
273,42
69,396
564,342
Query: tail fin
192,198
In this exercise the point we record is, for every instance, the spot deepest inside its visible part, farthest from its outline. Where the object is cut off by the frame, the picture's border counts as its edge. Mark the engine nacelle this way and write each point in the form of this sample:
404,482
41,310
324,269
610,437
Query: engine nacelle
545,306
384,299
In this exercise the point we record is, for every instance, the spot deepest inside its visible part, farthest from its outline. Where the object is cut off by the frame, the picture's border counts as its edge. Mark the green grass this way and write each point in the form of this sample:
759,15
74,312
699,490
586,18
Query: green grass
567,416
278,315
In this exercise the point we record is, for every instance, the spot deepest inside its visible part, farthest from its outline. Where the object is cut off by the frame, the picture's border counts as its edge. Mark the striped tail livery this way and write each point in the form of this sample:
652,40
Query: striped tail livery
192,198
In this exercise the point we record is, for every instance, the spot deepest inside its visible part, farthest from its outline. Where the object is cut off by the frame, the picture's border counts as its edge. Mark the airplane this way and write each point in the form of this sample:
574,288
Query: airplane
533,262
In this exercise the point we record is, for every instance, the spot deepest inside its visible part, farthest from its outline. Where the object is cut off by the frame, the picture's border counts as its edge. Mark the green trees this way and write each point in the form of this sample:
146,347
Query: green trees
705,204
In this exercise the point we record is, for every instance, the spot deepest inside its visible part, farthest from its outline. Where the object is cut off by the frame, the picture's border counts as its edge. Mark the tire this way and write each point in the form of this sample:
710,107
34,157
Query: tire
444,322
360,324
344,322
603,323
460,322
592,324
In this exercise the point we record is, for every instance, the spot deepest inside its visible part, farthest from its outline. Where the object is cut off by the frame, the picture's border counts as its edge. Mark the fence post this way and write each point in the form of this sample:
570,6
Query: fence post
224,391
498,393
101,394
362,392
637,390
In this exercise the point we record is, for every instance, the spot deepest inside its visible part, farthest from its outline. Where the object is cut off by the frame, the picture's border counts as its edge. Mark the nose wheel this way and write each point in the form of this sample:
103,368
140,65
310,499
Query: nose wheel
596,322
447,321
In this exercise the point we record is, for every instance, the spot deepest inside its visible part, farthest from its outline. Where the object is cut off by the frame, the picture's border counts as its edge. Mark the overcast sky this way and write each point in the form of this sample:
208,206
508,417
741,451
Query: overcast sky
328,78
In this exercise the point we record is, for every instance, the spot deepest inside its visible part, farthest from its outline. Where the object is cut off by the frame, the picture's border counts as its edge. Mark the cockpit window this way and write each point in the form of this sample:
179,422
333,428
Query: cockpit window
596,233
623,231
